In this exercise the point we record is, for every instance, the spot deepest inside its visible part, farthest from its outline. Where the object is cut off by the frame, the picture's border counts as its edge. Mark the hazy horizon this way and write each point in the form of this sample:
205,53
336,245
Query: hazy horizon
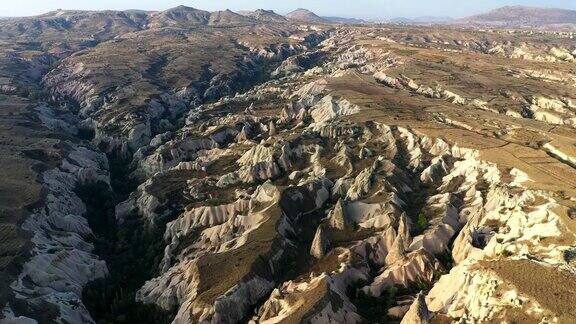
367,9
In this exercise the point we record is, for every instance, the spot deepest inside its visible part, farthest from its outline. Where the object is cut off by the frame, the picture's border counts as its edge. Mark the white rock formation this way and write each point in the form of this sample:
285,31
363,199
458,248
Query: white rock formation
418,312
320,244
329,108
62,261
264,223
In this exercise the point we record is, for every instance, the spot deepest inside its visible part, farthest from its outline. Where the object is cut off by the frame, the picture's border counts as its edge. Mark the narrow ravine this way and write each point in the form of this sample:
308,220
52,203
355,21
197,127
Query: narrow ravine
133,250
131,253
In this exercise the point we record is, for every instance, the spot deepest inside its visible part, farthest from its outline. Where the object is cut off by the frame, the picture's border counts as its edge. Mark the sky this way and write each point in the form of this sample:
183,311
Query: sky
344,8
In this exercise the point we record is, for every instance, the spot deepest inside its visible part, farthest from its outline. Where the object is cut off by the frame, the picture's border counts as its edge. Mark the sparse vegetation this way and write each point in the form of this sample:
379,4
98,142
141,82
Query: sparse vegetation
375,310
446,259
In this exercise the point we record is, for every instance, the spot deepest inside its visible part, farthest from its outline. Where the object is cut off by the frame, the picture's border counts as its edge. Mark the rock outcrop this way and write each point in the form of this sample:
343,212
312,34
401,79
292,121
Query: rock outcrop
418,312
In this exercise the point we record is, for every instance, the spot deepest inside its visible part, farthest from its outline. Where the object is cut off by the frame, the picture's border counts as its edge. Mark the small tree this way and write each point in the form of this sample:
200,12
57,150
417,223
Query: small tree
421,222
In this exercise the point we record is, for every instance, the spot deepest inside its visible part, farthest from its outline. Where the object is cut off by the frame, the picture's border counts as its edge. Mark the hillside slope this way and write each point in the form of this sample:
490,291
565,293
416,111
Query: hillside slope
306,15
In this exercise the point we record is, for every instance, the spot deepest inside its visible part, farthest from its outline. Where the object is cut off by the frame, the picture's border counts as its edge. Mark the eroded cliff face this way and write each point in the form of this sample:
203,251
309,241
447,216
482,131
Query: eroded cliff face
308,174
60,254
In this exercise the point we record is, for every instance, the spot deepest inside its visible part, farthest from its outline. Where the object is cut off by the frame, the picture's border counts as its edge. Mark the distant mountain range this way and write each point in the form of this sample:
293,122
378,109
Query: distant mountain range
504,17
522,16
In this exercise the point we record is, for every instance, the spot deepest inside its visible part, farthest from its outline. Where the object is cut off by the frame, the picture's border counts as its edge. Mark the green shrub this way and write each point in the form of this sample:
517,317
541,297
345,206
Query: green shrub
446,259
421,222
420,286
